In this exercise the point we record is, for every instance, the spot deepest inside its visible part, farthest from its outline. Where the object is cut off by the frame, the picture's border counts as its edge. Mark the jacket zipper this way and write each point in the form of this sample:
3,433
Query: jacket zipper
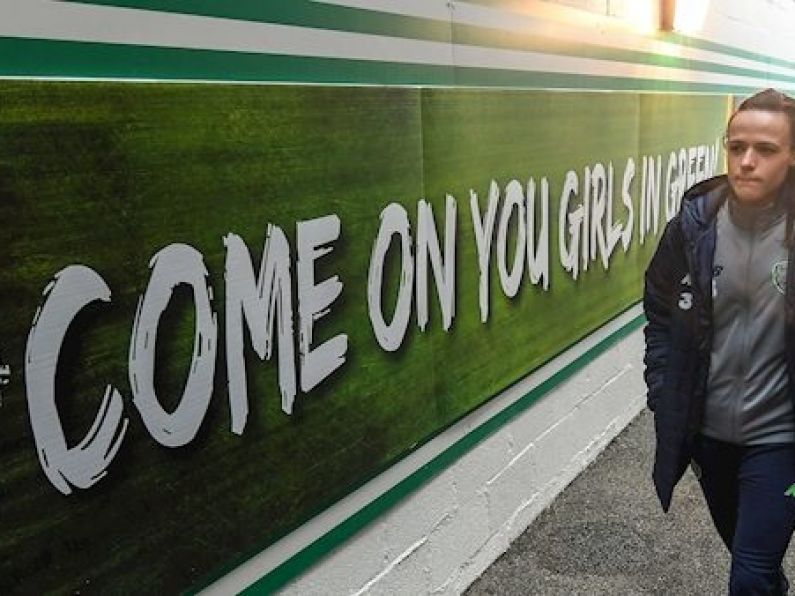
740,381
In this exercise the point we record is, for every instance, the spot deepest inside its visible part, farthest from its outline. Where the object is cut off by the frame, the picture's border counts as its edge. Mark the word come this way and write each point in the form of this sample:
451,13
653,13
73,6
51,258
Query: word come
261,302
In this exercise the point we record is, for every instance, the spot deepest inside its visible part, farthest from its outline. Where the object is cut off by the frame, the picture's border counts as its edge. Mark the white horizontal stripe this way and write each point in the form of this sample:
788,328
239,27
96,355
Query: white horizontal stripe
424,9
543,9
530,61
57,20
261,564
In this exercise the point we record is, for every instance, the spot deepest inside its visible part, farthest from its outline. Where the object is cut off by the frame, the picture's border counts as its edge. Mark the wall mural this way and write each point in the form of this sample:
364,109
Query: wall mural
224,307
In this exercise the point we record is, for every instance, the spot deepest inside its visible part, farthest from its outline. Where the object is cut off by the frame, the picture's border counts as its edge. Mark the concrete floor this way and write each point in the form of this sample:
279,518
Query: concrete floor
606,534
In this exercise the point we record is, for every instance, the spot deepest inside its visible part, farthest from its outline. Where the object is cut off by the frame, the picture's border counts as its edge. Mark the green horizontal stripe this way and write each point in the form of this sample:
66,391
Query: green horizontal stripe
340,18
713,46
302,13
307,557
475,77
47,58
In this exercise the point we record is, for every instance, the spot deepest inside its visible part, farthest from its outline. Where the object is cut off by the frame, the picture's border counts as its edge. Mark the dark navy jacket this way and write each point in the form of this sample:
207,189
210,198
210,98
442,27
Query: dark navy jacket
677,300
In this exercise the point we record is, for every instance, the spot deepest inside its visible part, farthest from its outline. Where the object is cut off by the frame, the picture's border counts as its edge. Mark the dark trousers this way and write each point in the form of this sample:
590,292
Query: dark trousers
745,488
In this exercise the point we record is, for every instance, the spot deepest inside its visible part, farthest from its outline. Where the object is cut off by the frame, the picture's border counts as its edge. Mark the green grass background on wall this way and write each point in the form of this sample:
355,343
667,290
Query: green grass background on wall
107,174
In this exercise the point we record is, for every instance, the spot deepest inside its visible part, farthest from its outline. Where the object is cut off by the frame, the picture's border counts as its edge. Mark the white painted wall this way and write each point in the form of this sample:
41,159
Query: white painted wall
444,536
762,26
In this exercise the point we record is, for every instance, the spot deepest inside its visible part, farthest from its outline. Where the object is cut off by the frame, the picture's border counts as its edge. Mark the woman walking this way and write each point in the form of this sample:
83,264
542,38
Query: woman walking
720,344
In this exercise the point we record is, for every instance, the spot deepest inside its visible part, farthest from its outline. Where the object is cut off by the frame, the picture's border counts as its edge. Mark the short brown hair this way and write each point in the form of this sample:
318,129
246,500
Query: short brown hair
770,100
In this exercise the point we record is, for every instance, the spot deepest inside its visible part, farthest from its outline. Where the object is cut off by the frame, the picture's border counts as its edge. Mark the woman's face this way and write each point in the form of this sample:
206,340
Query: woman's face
759,154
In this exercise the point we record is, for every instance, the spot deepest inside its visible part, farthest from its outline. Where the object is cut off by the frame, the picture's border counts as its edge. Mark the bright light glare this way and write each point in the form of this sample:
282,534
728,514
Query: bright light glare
641,15
690,15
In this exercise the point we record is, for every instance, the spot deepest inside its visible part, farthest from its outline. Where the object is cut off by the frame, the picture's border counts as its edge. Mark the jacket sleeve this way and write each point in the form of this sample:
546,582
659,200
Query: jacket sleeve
660,295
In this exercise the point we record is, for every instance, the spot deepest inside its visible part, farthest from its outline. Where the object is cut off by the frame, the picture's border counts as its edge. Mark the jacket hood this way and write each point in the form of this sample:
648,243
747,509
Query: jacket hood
701,202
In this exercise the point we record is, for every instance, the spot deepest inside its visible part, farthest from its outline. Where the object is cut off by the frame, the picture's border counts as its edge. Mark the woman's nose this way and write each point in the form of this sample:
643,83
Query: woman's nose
749,158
